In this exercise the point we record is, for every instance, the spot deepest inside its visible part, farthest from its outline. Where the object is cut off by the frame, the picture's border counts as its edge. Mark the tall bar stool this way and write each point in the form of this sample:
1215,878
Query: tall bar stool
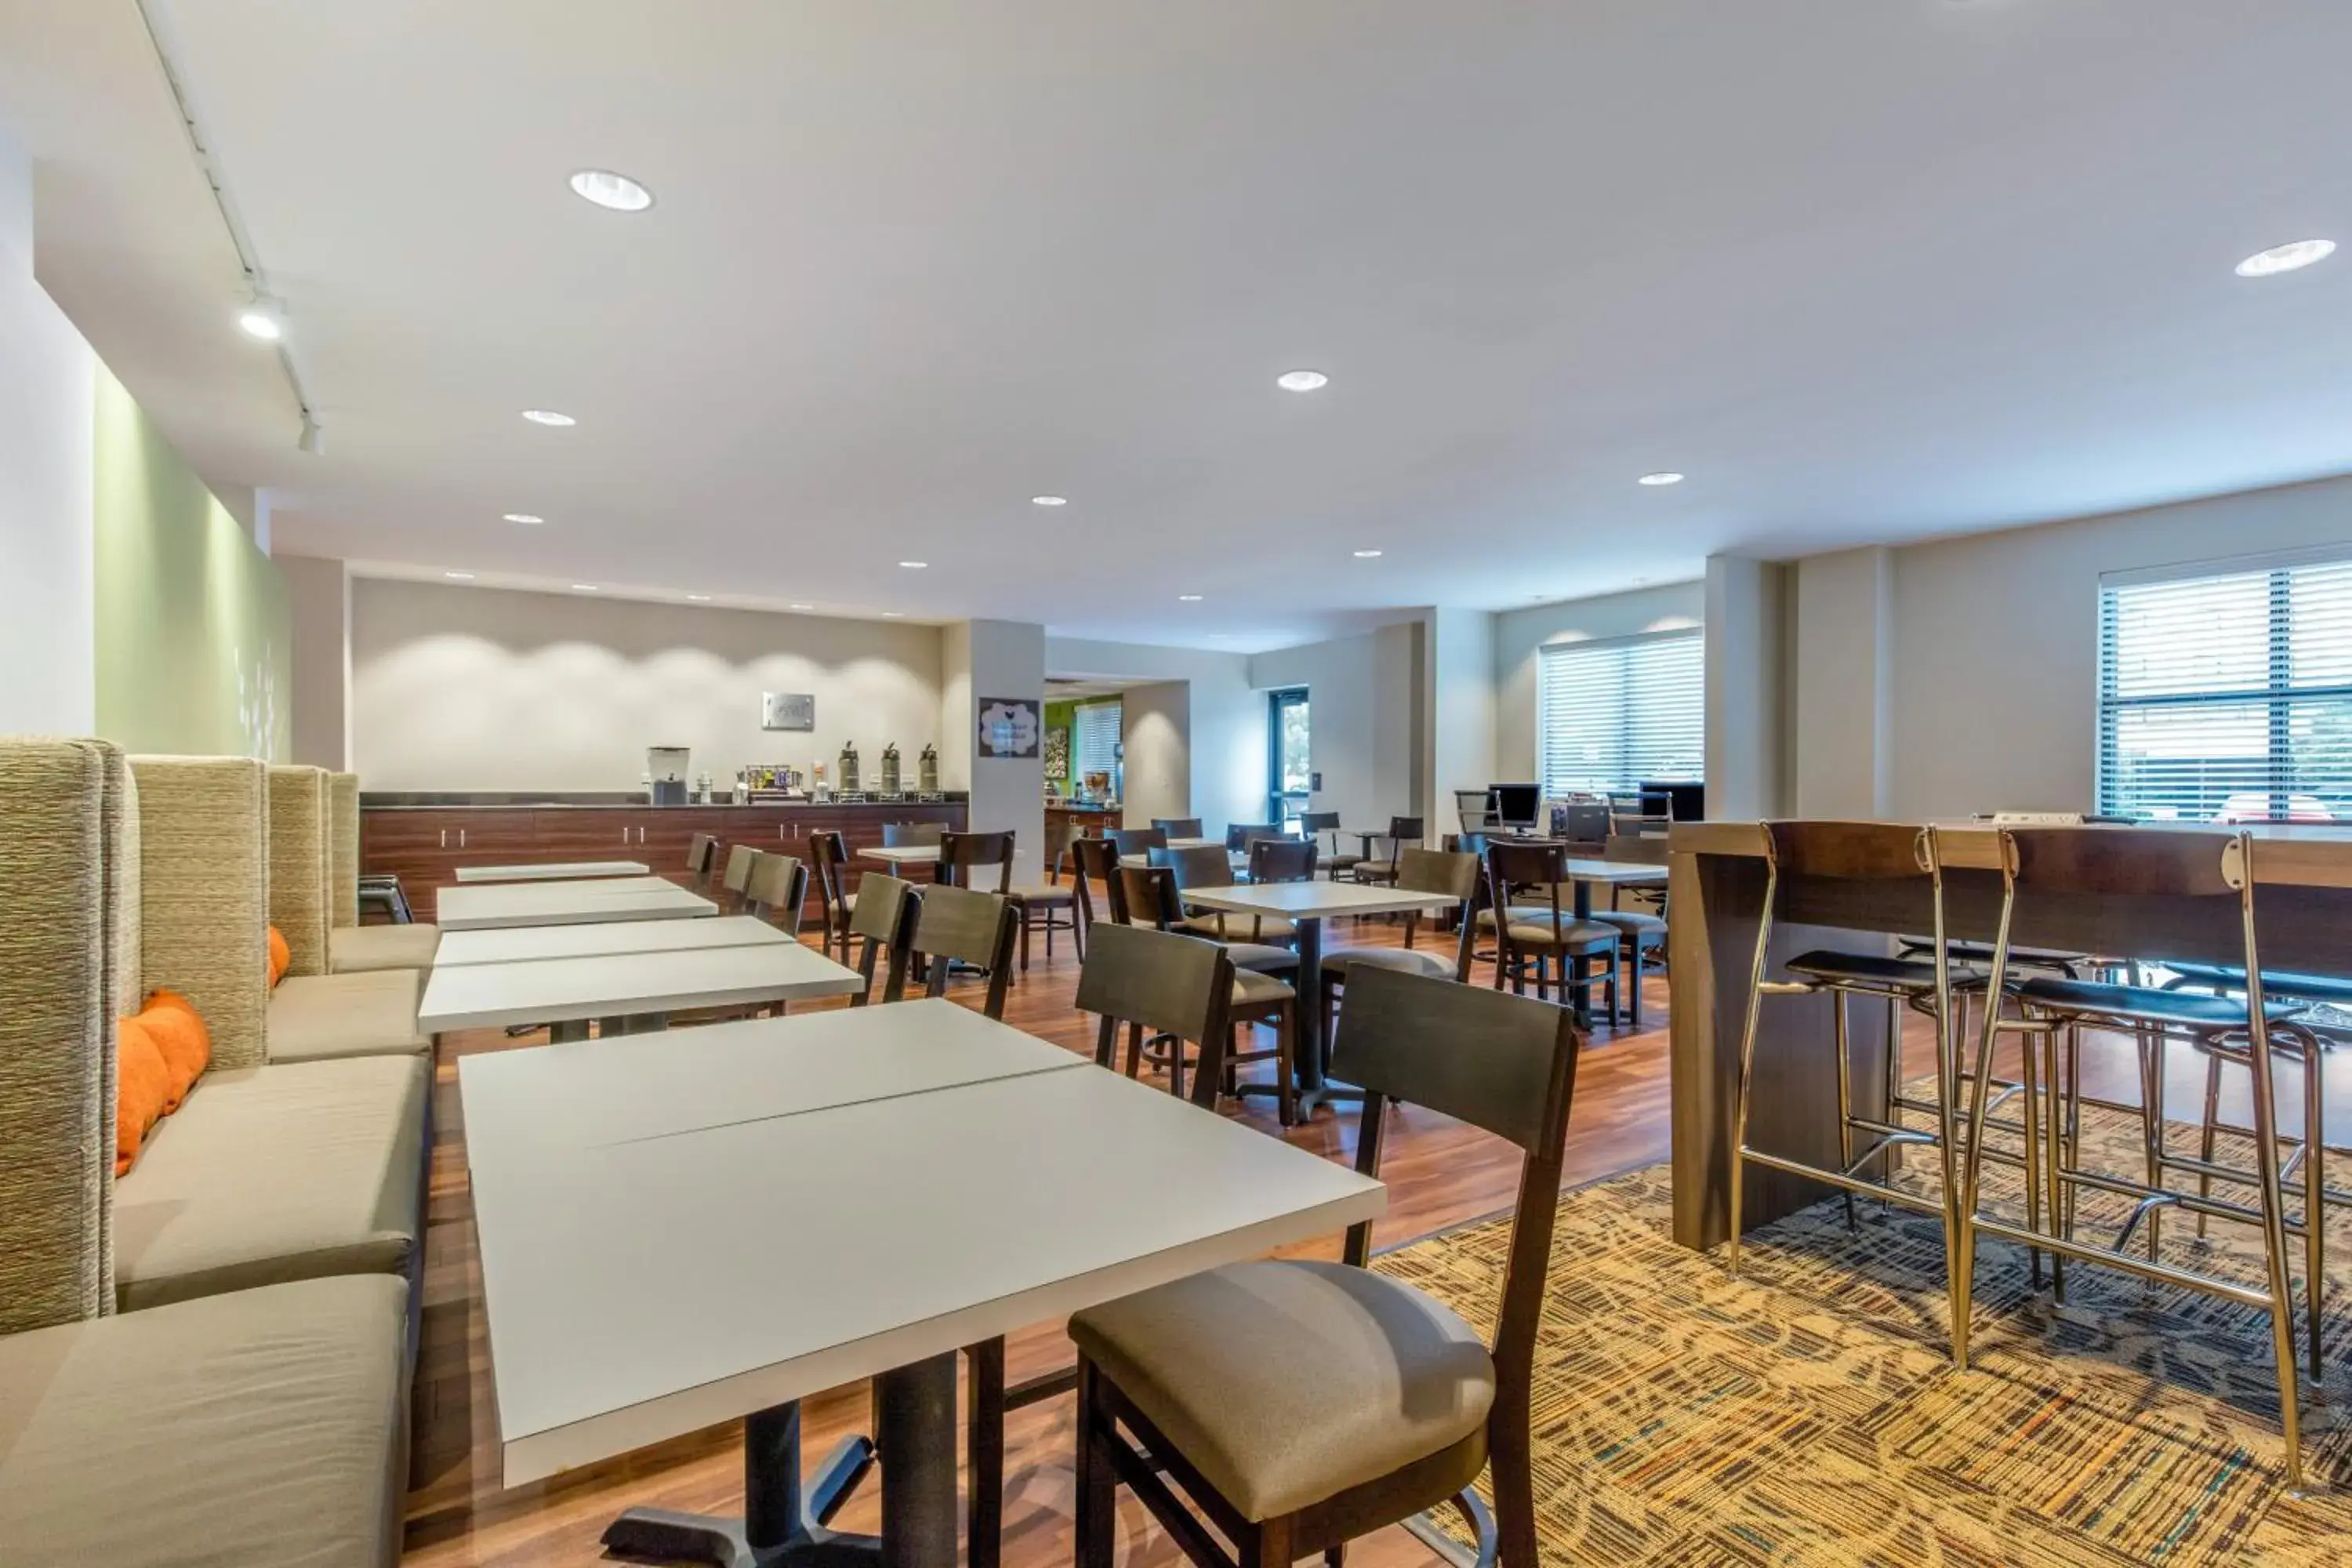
1904,860
2187,877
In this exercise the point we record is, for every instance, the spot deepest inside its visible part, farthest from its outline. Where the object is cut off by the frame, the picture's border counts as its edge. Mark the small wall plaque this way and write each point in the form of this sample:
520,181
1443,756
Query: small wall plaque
788,710
1008,727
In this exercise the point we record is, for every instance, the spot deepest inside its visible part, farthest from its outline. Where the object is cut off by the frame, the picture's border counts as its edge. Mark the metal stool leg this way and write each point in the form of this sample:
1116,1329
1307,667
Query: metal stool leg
1846,1096
2266,1168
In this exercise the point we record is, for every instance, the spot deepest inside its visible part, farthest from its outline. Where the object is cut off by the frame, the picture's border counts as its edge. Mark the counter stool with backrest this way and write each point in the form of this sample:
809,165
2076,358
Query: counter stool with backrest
2180,879
982,860
1532,934
1050,906
1312,827
1300,1404
885,921
1177,827
1136,840
829,860
1256,939
1900,864
957,925
1258,997
1419,871
1403,832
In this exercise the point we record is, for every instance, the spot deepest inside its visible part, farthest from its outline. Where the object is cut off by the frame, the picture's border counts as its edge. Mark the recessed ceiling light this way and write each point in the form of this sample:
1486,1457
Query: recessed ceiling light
1189,598
2289,258
458,577
894,615
914,566
1302,381
531,518
803,607
548,416
264,318
1367,555
700,598
1666,477
607,189
1049,501
584,587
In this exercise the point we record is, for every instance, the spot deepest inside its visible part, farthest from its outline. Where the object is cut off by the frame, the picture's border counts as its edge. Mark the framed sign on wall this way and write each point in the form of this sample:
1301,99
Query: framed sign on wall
1009,727
788,710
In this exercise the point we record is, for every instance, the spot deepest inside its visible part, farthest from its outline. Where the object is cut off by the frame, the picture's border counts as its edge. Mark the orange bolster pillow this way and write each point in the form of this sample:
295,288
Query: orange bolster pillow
140,1082
280,955
172,1022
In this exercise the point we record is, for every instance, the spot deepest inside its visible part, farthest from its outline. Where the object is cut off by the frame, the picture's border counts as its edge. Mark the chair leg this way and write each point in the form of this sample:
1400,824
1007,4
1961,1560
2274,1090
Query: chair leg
1097,1482
2273,1206
2206,1133
2031,1073
2314,1196
1839,1044
1284,1066
1134,1049
985,1453
1024,940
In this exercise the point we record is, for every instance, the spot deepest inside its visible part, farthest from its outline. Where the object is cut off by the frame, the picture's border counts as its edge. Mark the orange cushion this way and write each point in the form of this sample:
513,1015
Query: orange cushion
141,1080
279,956
172,1022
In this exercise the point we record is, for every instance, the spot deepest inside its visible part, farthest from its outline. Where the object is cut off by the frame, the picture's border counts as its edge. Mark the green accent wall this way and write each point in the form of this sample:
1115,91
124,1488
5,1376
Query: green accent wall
195,634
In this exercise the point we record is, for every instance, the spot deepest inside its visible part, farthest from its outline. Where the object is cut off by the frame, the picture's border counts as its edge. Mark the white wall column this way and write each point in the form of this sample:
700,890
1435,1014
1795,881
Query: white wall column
981,662
319,591
1463,682
1841,690
1745,646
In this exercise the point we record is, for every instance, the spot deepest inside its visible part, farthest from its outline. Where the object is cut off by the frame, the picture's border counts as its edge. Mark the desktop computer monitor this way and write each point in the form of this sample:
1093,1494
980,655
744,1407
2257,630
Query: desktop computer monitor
1516,804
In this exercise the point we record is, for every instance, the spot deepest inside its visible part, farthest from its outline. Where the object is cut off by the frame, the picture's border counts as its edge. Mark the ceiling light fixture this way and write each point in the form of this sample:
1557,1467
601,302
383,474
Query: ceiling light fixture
458,577
1049,501
1664,476
1302,381
699,598
584,587
801,606
914,566
2293,256
606,189
894,615
264,318
528,517
1187,598
313,439
549,416
1367,555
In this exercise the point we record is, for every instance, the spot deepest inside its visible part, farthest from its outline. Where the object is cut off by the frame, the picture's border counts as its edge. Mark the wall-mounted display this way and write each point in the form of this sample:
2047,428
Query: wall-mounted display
788,710
1009,727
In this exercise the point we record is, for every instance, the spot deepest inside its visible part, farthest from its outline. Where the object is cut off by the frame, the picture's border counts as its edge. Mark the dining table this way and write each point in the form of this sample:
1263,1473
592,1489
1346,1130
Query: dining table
681,1231
507,944
490,906
554,871
630,992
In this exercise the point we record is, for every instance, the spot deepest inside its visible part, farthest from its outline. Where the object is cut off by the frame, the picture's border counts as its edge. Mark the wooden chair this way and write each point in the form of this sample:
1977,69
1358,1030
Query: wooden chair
775,890
1282,860
741,858
1312,826
1301,1404
912,834
956,925
964,858
1049,906
1403,831
1257,996
1535,935
885,918
1178,826
1136,840
1097,862
829,857
1208,867
1174,987
700,851
1240,835
1419,871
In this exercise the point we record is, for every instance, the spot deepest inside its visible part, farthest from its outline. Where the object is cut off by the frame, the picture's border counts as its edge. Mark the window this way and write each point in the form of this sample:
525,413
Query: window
2228,698
1612,715
1094,739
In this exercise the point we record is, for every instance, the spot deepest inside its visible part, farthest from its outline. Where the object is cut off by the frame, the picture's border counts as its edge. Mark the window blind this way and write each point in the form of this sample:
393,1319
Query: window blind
1094,739
1612,715
2228,698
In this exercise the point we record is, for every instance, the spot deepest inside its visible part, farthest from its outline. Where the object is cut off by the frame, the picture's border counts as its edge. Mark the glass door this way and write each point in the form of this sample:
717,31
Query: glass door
1290,756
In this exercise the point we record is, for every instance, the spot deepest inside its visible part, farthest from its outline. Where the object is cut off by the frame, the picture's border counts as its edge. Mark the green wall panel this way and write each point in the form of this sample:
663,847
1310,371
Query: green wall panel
194,636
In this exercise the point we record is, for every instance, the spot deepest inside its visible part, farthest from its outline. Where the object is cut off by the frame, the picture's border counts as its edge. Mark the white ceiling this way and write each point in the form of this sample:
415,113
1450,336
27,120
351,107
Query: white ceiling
1866,269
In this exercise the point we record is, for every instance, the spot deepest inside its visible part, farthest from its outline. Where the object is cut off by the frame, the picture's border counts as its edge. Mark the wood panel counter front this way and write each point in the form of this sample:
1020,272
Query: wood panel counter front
2302,905
424,844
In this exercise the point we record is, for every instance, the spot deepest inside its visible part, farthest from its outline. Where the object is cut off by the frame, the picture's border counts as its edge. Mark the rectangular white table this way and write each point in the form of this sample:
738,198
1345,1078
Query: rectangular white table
639,989
719,1224
501,904
1307,905
509,944
555,871
900,855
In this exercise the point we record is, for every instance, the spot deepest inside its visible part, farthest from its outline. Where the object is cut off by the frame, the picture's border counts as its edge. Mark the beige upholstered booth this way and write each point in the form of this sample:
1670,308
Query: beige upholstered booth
351,946
315,1015
264,1428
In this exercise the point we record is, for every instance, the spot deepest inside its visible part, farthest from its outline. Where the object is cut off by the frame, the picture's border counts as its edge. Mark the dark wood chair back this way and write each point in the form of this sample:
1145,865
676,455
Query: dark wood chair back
1161,982
1097,861
911,835
1849,851
1503,1063
959,925
1511,864
2120,862
964,858
885,918
741,858
1407,829
1202,867
1240,835
828,855
1136,840
700,851
1178,826
777,888
1283,859
1151,895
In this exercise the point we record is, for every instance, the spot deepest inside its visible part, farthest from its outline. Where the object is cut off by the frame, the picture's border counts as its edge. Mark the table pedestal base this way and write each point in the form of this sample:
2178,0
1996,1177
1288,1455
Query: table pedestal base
914,1409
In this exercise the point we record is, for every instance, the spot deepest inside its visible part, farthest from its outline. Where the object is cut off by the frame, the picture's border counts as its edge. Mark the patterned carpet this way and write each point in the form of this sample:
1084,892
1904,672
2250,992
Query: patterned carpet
1808,1413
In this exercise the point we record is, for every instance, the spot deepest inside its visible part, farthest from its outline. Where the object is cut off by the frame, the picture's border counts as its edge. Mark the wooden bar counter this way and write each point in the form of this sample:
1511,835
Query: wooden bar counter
424,843
2303,920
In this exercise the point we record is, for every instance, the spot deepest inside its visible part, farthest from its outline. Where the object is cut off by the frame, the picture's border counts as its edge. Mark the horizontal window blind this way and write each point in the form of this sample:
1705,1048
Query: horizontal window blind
2228,698
1610,715
1094,739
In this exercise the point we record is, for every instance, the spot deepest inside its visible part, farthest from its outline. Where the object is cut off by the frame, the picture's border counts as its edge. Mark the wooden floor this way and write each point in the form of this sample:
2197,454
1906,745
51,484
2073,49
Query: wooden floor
1439,1173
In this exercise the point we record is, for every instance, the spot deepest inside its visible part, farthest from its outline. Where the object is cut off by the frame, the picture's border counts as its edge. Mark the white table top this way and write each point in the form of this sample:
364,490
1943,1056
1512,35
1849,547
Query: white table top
625,984
1316,900
1615,871
515,943
559,871
905,855
566,903
1237,860
1196,843
934,1199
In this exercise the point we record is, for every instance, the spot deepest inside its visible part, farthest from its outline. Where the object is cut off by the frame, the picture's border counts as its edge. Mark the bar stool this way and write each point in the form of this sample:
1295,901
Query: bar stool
1904,860
2187,877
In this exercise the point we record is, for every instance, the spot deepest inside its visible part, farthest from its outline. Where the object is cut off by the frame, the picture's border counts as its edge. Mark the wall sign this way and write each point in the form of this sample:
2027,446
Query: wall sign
1009,727
788,710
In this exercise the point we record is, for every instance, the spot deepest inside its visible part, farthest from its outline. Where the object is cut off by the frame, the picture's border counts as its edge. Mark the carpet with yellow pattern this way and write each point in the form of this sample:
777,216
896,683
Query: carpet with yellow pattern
1808,1413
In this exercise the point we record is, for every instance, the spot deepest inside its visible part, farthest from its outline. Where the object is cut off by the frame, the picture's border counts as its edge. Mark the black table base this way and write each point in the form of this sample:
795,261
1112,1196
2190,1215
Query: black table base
915,1429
